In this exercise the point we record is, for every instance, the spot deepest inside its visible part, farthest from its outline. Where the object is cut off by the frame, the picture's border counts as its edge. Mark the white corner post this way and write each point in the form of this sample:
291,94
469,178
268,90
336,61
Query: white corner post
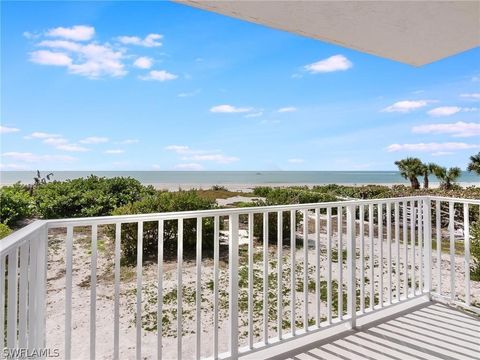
427,243
233,270
351,269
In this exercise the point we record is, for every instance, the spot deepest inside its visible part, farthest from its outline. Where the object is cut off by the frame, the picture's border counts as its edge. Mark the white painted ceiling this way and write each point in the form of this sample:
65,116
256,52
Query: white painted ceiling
412,32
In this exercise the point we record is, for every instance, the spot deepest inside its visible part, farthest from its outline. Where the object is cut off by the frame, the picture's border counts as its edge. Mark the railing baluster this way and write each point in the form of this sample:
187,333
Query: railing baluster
421,215
397,245
451,229
33,278
438,225
329,265
179,288
250,279
198,294
293,250
372,255
351,267
93,294
405,248
116,309
22,301
317,266
12,299
139,290
265,277
380,241
216,270
279,273
412,241
41,306
389,251
466,233
2,305
362,257
160,290
68,293
233,276
305,270
340,262
427,246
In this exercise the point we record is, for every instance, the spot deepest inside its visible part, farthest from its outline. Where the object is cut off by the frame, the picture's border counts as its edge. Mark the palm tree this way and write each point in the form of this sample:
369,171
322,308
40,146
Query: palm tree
474,165
410,168
427,170
447,177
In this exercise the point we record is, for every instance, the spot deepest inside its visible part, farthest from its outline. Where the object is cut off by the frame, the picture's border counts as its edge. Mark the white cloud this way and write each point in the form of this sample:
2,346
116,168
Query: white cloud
255,114
229,109
7,130
287,109
458,129
333,63
143,62
42,135
406,106
296,161
30,157
71,147
472,96
444,111
55,141
60,44
218,158
432,147
90,60
77,32
94,140
114,151
189,166
159,75
151,40
46,57
189,154
179,149
156,167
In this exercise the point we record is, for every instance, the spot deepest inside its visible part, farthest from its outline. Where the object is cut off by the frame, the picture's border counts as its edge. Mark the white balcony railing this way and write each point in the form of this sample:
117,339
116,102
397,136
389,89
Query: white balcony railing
389,259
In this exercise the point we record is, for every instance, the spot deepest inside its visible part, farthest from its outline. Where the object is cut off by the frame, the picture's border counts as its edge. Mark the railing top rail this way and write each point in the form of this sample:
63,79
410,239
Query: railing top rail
18,237
105,220
456,200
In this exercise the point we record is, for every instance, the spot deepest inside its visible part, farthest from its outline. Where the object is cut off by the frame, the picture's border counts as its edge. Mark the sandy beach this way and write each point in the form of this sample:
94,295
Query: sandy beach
250,187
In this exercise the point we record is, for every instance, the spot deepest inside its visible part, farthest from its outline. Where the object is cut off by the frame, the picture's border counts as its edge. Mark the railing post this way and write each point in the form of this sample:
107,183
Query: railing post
351,270
427,243
233,269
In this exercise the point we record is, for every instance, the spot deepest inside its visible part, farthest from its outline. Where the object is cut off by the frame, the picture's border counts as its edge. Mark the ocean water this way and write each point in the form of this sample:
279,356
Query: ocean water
236,177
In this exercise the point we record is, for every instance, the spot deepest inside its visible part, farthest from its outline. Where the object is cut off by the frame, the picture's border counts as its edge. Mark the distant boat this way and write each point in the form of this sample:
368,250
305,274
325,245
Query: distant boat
258,173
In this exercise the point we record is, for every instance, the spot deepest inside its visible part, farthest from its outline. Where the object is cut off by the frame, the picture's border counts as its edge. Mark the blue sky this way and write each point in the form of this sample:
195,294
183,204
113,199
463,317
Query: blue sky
161,86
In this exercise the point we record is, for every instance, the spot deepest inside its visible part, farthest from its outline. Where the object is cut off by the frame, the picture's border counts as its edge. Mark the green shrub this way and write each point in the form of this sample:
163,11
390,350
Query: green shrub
4,230
284,196
91,196
16,204
475,251
165,202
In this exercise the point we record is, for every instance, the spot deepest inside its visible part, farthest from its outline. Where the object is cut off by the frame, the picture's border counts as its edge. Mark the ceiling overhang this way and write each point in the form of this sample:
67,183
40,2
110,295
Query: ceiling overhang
412,32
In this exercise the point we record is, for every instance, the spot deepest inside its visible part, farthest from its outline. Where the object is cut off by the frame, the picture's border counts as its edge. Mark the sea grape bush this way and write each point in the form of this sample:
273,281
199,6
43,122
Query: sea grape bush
16,204
165,202
91,196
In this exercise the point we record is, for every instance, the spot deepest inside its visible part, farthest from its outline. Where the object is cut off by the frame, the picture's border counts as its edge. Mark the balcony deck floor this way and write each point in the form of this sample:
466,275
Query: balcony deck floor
427,332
